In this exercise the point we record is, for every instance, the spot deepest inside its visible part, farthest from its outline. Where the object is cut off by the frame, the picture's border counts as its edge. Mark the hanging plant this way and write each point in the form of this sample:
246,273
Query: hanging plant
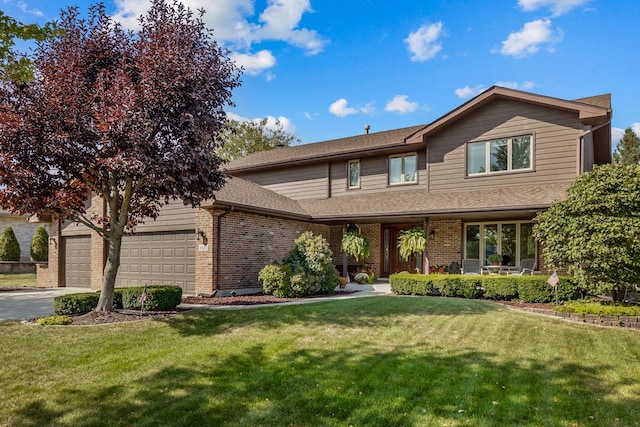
356,245
412,242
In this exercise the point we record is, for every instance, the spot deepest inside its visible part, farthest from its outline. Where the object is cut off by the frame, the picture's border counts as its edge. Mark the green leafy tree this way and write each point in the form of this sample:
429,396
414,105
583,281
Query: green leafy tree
9,246
595,231
628,149
243,138
130,117
13,65
40,245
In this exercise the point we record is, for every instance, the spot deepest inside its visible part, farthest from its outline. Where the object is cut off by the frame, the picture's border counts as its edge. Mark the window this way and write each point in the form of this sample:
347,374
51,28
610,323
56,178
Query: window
513,240
499,155
403,169
354,173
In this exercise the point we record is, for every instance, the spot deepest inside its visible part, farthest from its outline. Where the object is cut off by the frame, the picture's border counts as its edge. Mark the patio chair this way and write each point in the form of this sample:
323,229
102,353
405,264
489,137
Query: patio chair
526,268
470,266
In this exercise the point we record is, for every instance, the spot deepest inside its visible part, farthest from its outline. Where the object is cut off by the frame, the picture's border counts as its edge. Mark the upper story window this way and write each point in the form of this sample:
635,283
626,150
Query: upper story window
499,155
354,173
403,169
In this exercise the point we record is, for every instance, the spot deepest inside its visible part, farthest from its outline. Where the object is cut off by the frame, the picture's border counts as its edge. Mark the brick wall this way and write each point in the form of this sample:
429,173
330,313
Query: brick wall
446,246
248,243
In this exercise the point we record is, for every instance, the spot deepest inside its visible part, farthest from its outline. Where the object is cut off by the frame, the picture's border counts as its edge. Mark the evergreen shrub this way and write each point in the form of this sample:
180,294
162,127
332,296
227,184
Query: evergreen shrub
75,303
40,245
9,246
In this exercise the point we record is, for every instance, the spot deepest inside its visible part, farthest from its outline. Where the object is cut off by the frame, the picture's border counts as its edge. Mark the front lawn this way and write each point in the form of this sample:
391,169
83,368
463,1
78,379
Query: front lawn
377,361
15,280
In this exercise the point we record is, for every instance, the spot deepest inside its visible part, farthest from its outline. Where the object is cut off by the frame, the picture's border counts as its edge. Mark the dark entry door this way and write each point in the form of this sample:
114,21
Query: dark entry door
392,262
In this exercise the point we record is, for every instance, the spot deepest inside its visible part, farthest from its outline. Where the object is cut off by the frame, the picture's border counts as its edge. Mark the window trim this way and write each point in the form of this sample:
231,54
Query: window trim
402,175
349,186
509,170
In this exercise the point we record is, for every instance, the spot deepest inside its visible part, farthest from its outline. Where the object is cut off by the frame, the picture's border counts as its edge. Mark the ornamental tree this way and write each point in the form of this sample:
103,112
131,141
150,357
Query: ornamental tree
628,149
243,138
130,117
595,231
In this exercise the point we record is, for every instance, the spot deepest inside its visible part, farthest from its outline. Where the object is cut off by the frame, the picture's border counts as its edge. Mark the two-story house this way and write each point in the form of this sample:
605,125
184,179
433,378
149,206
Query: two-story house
474,179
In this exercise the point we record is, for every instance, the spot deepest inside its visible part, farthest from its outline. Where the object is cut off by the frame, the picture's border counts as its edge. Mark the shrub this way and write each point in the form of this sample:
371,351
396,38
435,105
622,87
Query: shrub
159,298
599,308
504,288
361,277
412,284
40,245
54,320
536,289
9,246
311,264
276,279
75,303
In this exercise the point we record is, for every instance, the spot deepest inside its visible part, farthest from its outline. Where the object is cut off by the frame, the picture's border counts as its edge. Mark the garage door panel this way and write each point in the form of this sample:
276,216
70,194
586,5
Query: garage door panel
159,258
77,261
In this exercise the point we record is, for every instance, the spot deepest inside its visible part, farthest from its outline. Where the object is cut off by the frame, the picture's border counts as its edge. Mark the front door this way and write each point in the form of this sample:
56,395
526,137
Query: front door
392,262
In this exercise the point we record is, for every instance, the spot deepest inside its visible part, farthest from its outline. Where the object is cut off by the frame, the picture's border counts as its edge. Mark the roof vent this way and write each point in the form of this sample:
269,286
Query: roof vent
366,129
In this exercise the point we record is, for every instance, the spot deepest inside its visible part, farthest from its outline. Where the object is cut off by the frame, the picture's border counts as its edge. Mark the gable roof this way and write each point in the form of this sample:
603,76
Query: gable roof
323,150
591,110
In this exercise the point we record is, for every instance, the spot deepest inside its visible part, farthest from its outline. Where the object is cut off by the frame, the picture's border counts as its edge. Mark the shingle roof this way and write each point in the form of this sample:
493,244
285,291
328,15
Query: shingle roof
335,147
247,196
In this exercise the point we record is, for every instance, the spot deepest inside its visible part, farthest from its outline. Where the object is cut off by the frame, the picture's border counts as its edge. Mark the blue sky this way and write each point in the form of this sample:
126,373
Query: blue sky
327,68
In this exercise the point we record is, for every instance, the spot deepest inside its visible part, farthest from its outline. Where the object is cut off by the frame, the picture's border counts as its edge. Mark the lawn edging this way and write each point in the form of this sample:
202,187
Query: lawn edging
631,322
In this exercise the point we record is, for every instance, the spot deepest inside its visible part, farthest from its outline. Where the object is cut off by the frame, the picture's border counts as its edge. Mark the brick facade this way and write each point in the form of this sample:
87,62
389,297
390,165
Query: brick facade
446,245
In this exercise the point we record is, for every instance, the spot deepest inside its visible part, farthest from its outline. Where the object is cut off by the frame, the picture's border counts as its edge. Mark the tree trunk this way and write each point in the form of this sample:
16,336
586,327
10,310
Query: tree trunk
105,303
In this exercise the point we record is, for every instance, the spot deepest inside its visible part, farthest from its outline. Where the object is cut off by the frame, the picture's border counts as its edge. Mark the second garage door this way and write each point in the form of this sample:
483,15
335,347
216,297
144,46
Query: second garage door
158,259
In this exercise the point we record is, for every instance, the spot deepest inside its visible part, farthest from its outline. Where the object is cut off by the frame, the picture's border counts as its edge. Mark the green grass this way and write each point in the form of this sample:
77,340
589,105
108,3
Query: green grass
23,280
379,361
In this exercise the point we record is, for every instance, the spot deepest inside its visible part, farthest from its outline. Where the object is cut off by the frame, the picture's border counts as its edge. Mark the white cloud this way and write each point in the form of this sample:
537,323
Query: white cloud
468,91
25,8
254,63
272,121
558,7
369,108
424,44
236,24
340,109
528,40
515,85
400,104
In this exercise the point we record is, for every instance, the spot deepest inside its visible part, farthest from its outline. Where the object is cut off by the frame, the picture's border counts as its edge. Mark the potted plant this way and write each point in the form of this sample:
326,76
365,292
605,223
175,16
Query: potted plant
495,259
356,245
412,242
361,278
343,282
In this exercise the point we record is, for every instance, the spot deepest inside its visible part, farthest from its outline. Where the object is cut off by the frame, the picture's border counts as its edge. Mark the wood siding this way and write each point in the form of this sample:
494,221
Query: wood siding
374,177
297,183
173,217
555,142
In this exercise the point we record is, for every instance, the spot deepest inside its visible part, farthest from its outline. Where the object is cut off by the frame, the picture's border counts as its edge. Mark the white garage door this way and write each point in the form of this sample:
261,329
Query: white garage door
77,261
158,259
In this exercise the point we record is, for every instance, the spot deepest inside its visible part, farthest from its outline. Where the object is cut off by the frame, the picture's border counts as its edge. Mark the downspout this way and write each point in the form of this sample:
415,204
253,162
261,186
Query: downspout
219,246
425,261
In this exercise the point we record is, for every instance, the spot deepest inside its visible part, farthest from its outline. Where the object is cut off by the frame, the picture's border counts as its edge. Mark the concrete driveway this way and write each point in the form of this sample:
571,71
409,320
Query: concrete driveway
31,303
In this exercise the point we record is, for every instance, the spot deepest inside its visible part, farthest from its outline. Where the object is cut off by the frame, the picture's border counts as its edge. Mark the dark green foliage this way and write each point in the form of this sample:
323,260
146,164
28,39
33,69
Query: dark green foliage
628,149
40,245
9,246
595,231
503,288
524,288
310,269
75,303
159,298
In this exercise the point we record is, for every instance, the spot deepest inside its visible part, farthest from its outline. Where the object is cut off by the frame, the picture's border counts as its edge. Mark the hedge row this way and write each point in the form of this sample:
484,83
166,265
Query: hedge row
523,288
159,298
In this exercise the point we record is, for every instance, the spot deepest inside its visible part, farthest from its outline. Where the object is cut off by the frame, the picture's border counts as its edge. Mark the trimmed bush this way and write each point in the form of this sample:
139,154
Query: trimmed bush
159,298
75,303
525,288
9,246
599,308
502,288
40,245
54,320
276,279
